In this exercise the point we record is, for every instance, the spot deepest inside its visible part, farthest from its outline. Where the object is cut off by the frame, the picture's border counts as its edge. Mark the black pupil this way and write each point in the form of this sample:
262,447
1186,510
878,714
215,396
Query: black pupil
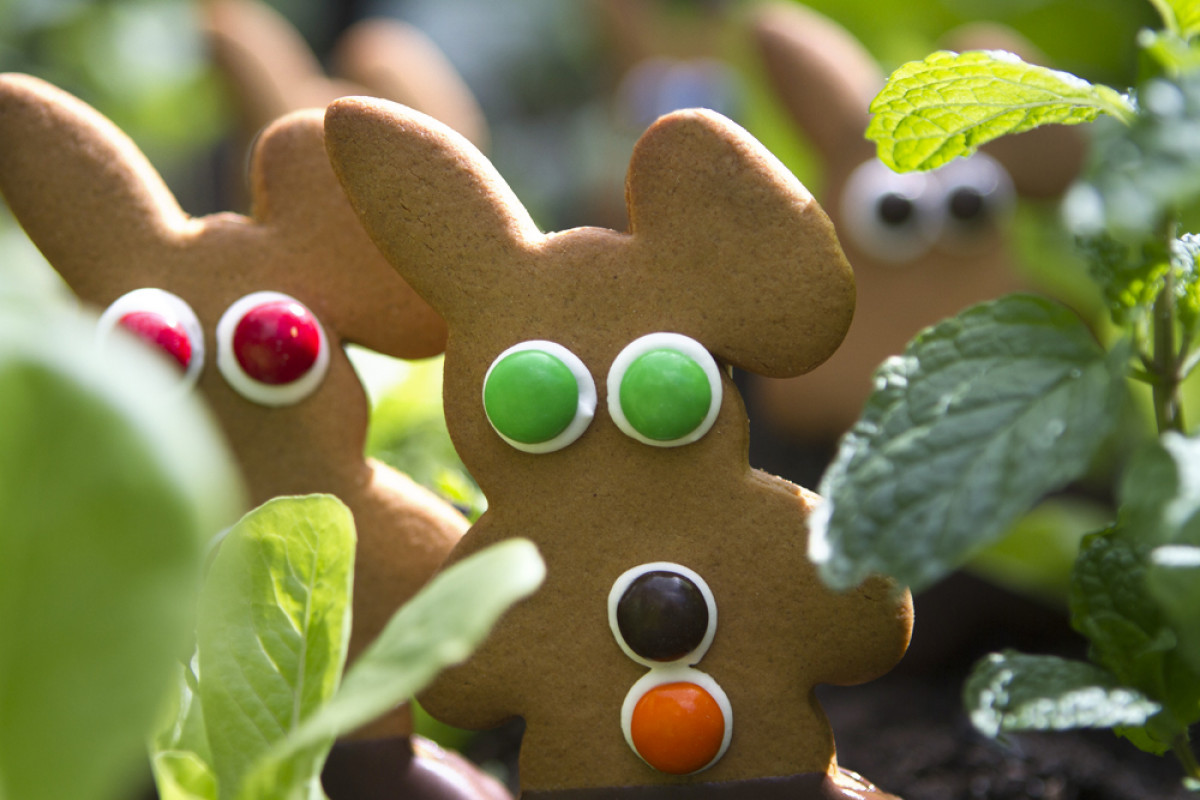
662,616
895,209
966,204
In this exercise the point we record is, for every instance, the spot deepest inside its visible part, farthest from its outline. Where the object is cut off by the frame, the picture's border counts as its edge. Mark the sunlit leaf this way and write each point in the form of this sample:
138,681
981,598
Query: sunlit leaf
273,632
950,104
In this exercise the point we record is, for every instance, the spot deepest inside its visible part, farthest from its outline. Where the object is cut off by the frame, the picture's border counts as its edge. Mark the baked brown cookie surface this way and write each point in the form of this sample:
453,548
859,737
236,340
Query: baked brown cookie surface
255,310
588,391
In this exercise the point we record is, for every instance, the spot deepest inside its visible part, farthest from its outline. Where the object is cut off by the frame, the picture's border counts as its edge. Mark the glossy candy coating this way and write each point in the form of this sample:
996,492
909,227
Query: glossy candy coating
167,334
662,616
677,727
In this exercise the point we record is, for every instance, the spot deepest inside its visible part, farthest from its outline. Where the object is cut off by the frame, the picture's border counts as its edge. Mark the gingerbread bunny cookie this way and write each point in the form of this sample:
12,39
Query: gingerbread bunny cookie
271,70
674,647
255,310
923,246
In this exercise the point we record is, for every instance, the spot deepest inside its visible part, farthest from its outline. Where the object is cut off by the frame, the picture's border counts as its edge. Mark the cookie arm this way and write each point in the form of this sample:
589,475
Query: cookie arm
81,189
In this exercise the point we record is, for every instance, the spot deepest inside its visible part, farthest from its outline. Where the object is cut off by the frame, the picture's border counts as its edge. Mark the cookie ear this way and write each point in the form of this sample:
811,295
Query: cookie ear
433,204
1045,161
824,77
270,67
297,196
398,62
718,216
82,190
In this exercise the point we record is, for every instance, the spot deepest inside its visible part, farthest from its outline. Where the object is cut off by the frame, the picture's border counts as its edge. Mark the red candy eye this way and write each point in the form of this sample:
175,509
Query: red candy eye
271,349
160,330
277,343
162,319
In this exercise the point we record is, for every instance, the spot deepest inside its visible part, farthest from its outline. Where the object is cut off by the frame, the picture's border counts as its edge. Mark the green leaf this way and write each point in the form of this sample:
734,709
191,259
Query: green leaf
182,775
950,104
273,630
109,481
1173,579
983,414
1160,491
439,627
1011,691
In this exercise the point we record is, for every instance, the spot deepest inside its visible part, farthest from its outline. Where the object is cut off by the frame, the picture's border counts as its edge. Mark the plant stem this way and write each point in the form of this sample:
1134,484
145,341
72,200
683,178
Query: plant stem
1187,758
1168,410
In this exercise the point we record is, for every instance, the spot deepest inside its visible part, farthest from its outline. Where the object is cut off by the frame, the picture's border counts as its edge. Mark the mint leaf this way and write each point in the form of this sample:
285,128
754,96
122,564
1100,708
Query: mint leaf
1173,579
1011,691
950,104
273,631
1160,491
437,628
108,482
981,416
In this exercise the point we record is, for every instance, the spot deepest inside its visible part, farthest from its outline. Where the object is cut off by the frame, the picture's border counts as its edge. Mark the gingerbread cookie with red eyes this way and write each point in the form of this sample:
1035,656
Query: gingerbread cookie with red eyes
254,311
674,647
924,245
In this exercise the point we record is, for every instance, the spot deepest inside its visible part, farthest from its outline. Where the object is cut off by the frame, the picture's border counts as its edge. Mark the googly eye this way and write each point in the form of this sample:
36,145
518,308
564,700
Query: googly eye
664,389
662,613
164,320
271,349
977,192
678,720
888,215
538,396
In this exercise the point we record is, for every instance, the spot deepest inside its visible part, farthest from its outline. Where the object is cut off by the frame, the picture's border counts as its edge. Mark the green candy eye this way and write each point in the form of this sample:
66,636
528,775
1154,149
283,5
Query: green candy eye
539,396
664,389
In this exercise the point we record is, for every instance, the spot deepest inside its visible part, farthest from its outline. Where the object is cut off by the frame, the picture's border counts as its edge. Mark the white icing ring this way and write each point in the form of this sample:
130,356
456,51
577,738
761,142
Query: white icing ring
254,390
585,410
629,576
663,341
169,305
672,674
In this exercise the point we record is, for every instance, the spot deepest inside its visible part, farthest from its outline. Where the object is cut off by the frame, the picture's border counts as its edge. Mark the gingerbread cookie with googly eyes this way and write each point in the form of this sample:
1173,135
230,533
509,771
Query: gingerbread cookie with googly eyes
924,246
254,310
674,647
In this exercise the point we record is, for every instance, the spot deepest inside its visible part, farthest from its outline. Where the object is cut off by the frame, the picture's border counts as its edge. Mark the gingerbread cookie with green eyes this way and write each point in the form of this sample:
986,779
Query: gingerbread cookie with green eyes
674,647
254,311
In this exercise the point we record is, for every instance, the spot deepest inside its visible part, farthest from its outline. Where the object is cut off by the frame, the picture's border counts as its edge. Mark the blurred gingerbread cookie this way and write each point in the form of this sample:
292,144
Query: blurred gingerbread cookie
674,647
254,311
924,245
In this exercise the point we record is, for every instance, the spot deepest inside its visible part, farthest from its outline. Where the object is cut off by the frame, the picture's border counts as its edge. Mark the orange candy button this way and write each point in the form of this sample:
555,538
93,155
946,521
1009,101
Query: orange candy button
677,727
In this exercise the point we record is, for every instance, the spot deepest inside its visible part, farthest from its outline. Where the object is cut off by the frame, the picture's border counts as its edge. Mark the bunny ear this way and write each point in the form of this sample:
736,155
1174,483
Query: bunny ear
80,188
433,204
269,67
824,77
723,222
397,62
1043,162
298,199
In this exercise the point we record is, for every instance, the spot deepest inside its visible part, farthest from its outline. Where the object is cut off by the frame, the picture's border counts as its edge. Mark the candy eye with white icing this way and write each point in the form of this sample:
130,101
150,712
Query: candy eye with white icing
664,389
164,320
890,216
271,349
538,396
662,613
